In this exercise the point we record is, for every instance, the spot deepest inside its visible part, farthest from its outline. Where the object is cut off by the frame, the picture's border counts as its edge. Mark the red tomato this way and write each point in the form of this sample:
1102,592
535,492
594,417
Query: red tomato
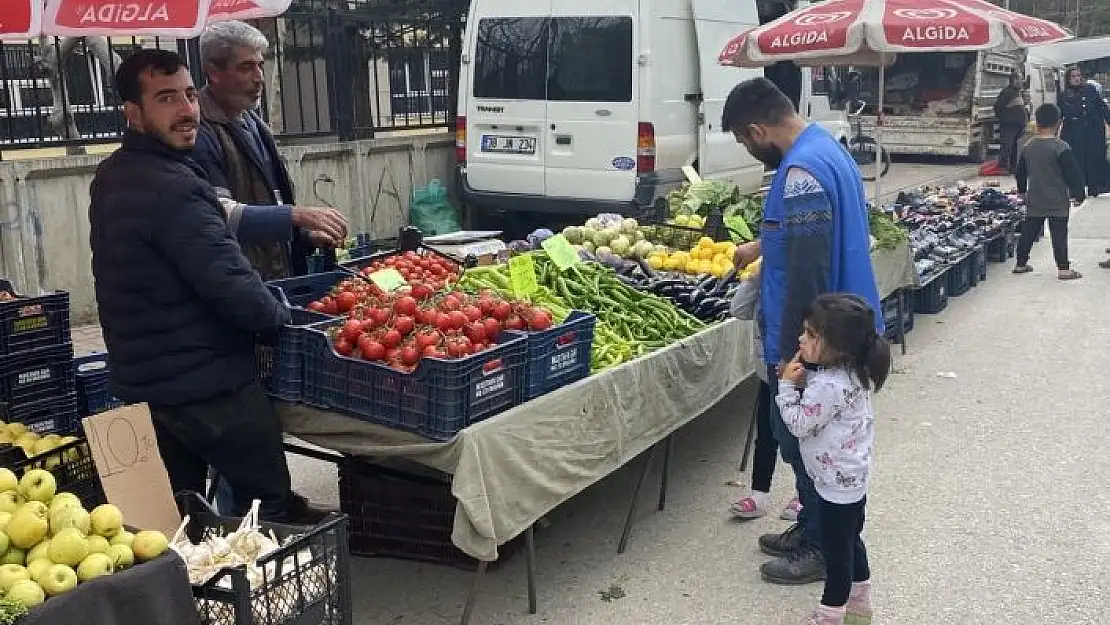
329,307
351,331
451,303
316,306
514,322
492,328
472,312
391,339
405,305
409,355
343,347
427,338
421,291
380,316
540,321
371,349
404,325
501,311
475,331
457,319
443,322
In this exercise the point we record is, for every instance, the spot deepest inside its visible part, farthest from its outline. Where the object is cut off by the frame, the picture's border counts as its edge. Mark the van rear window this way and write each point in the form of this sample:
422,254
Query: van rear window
561,59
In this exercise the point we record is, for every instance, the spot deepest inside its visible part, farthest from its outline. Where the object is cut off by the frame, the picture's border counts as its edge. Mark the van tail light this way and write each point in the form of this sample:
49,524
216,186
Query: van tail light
645,148
460,140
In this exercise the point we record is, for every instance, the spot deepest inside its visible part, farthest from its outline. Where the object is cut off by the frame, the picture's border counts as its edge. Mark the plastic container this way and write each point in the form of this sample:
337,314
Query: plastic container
959,276
890,307
405,514
298,292
560,355
71,465
46,416
932,296
437,400
91,374
978,266
29,323
305,582
281,359
44,373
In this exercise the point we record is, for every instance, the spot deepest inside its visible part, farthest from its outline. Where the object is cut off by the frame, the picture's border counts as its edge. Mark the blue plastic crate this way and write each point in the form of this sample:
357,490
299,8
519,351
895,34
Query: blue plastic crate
437,400
890,314
91,374
560,355
54,415
932,296
959,276
298,292
30,323
44,373
281,360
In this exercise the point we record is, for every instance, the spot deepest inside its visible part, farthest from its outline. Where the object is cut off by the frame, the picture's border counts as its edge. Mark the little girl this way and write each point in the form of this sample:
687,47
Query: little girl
829,409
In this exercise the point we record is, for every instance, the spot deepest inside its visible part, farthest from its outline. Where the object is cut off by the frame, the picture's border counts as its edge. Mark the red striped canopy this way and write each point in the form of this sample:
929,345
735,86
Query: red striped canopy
862,30
24,19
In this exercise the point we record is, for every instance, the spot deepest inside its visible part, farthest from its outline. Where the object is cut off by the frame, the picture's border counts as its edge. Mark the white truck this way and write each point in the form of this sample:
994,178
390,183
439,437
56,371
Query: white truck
575,107
939,103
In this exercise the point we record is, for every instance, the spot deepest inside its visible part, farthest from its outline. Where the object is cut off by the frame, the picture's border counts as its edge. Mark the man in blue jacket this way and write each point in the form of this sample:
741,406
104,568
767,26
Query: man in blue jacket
179,303
814,239
236,149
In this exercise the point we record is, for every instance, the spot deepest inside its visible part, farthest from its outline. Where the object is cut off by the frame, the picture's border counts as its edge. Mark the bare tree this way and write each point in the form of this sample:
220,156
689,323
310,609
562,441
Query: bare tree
50,63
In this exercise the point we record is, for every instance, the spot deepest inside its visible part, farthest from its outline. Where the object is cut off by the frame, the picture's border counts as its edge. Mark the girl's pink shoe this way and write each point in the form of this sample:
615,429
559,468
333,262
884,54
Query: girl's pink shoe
790,512
824,615
858,610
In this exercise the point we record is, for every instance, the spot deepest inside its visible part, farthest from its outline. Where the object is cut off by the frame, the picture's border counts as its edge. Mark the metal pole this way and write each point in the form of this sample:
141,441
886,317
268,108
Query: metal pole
879,134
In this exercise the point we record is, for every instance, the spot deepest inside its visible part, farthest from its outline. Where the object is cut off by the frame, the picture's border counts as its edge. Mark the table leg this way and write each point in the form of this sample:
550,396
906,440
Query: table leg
668,449
530,558
751,437
472,598
635,497
902,319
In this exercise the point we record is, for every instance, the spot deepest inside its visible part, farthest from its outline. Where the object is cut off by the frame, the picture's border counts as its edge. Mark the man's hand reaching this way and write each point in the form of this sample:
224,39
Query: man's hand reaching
321,222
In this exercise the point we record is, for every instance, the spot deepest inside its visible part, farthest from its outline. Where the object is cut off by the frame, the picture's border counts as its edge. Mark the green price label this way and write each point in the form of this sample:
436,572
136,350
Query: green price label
560,250
522,275
388,280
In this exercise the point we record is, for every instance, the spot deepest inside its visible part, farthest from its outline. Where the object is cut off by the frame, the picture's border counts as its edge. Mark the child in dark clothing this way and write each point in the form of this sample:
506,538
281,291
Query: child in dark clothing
1048,176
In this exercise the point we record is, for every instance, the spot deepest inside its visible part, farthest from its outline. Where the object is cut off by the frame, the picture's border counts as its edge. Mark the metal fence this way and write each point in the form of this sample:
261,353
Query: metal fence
351,69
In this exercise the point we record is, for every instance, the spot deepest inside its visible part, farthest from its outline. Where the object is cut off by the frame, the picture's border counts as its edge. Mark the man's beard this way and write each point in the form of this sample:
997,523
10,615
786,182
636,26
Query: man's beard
771,156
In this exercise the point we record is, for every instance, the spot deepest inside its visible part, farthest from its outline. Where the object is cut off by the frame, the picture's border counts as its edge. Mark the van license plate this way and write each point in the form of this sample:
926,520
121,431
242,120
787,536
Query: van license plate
508,145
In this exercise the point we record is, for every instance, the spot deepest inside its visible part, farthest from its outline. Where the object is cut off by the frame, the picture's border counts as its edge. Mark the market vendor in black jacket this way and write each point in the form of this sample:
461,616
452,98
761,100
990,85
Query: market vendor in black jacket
179,302
237,150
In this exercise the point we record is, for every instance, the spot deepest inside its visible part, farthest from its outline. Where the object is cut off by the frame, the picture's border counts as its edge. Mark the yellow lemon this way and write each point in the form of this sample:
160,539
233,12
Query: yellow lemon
656,262
705,242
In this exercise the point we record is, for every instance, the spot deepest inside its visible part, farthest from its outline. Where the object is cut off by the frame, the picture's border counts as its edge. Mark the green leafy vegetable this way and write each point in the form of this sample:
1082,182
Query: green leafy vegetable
11,611
888,234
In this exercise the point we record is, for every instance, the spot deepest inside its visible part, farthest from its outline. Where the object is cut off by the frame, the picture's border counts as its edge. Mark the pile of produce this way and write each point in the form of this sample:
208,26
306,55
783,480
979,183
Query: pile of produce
691,203
51,543
33,444
401,328
609,235
253,549
707,257
946,224
888,235
425,275
630,323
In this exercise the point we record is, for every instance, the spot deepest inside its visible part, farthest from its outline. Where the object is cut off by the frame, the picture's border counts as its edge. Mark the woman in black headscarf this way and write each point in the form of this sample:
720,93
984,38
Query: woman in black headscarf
1009,110
1085,115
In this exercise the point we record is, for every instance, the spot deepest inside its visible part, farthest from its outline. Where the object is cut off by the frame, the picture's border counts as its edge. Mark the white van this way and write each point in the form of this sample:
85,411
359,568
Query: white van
580,106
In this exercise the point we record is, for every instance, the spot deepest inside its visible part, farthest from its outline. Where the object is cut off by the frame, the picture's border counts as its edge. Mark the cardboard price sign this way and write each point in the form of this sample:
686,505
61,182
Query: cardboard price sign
125,452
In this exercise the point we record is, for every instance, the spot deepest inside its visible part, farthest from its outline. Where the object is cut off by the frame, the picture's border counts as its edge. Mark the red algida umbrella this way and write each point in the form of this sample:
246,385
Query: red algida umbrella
24,19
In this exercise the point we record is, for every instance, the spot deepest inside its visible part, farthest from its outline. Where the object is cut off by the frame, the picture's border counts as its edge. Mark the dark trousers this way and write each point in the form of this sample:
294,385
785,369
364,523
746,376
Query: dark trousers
239,435
810,516
1010,135
1057,228
845,555
766,447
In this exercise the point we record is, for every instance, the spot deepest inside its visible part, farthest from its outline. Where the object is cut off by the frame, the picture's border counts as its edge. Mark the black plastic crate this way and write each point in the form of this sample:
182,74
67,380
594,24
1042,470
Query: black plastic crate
298,292
978,266
560,355
46,416
305,582
437,400
932,296
44,373
959,276
91,374
405,514
71,465
890,307
29,323
281,359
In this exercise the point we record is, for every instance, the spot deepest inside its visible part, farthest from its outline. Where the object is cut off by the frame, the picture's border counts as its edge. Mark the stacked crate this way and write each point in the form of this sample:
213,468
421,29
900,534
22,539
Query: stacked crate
37,384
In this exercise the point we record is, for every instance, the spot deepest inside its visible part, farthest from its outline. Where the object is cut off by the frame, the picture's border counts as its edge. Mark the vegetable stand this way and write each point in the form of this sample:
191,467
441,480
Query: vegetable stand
511,469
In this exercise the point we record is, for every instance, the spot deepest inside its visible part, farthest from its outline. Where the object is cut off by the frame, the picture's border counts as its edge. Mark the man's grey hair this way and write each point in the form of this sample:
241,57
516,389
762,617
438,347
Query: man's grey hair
219,41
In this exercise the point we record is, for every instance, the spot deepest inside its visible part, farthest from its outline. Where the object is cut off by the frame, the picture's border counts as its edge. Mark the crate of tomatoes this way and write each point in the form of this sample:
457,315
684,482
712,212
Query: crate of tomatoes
421,360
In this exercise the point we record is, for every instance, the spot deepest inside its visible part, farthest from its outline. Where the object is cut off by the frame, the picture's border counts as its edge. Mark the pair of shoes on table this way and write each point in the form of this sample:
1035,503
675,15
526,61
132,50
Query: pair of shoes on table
796,561
856,612
751,508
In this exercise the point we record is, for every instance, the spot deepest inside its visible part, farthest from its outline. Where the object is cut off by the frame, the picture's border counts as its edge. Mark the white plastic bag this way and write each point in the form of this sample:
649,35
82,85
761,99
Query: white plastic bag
745,301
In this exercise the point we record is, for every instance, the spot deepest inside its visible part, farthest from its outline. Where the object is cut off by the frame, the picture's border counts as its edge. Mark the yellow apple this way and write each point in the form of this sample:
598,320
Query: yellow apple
94,566
14,555
38,485
8,480
149,544
10,501
97,544
27,593
10,574
36,569
39,551
107,520
123,538
59,579
122,557
28,525
69,516
68,547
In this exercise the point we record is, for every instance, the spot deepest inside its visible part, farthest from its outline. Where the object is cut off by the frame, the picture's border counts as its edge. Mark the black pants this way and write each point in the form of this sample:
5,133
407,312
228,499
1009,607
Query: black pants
1010,136
845,555
239,435
1057,228
766,447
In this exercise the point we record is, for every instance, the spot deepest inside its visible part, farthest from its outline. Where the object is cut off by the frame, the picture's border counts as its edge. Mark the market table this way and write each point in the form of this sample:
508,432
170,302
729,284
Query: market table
511,469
